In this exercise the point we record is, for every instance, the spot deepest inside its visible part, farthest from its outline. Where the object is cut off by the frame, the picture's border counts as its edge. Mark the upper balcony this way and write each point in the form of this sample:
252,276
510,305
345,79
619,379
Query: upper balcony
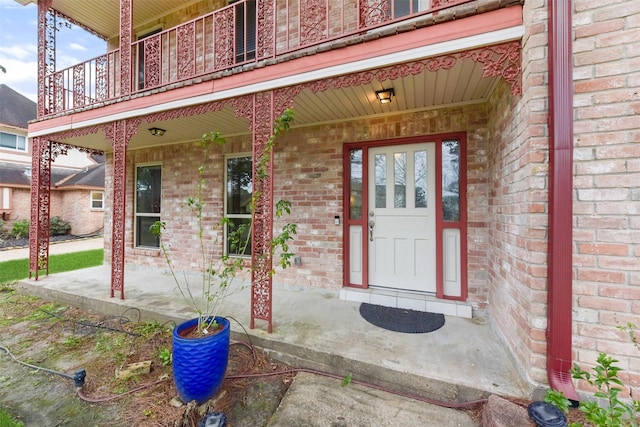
242,35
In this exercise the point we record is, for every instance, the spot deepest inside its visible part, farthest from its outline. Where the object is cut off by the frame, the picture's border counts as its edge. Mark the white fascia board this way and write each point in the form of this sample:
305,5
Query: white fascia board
465,43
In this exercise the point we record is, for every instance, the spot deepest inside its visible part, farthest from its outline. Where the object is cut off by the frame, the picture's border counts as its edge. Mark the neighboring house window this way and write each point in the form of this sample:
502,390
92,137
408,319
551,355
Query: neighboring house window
238,192
148,196
12,141
5,198
97,200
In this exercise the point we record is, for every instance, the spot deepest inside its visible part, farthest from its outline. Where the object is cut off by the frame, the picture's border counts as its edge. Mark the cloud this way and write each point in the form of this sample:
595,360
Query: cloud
77,46
21,76
20,52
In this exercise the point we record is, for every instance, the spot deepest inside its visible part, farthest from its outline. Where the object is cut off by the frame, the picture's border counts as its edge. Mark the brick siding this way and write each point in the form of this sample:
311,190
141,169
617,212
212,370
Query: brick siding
606,177
607,182
72,206
309,173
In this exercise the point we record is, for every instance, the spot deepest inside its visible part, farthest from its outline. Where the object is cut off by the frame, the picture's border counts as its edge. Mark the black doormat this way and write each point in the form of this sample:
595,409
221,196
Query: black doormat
401,319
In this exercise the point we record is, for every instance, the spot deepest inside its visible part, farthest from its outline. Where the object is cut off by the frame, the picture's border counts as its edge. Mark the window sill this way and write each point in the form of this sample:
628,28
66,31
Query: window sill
150,252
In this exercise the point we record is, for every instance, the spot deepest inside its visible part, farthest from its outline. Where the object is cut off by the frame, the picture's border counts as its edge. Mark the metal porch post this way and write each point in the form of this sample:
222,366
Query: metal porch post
120,133
40,206
262,229
126,12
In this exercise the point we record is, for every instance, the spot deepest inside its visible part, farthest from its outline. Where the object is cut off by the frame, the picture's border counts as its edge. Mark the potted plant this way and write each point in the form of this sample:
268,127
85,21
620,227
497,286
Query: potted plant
201,344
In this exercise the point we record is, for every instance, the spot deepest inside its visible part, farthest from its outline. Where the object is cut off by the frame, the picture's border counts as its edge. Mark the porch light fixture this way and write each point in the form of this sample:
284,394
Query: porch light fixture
384,95
157,131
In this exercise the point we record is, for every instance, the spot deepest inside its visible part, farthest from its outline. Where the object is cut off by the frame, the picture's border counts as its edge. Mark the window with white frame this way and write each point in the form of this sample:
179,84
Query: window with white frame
97,200
5,198
147,204
13,141
238,193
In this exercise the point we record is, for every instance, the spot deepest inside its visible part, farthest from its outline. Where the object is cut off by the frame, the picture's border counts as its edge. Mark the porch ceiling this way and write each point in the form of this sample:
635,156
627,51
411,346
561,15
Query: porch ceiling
462,84
103,17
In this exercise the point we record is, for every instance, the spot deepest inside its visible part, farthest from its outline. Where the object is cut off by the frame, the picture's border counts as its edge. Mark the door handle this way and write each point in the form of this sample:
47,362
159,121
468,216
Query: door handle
372,223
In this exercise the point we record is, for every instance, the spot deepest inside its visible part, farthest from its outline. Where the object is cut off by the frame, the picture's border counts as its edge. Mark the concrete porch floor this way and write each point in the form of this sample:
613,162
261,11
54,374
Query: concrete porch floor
462,361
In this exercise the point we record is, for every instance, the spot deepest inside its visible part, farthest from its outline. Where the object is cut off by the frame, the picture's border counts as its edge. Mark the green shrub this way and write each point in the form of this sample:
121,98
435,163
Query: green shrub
614,412
20,229
59,227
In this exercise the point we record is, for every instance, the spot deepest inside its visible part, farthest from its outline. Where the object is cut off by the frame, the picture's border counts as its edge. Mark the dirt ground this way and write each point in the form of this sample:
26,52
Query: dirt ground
65,340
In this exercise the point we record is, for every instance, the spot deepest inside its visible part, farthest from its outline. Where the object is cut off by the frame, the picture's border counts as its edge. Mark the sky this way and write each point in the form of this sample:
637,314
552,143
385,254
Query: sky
19,47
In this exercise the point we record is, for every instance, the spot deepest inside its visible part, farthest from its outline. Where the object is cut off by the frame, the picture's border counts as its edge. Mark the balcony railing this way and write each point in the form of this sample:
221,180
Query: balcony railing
226,38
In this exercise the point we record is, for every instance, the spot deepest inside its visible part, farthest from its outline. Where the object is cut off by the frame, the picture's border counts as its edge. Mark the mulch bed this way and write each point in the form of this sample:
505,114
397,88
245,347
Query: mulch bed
9,242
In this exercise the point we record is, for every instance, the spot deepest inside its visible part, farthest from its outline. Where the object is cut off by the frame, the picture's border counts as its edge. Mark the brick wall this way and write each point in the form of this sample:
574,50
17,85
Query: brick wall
607,182
518,207
75,209
309,173
71,206
20,206
606,285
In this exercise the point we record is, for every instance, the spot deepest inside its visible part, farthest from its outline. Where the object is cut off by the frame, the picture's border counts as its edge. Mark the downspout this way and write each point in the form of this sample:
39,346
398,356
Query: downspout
560,265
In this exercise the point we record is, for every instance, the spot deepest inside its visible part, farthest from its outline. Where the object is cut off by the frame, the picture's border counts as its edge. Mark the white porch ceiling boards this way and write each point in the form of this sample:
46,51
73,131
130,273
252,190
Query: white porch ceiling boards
103,17
462,84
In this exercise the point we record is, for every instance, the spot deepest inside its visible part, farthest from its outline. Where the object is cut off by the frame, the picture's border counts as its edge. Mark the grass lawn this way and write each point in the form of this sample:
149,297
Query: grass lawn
11,271
7,421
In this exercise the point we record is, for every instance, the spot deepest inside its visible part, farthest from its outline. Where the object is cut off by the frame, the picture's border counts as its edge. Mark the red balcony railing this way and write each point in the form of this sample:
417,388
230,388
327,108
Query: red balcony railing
226,38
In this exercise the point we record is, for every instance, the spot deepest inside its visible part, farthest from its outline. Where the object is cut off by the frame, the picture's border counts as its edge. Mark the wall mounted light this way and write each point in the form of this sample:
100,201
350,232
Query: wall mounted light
157,131
384,95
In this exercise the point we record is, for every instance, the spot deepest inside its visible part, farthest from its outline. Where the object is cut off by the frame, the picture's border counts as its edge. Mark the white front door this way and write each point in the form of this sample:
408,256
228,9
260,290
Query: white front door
401,217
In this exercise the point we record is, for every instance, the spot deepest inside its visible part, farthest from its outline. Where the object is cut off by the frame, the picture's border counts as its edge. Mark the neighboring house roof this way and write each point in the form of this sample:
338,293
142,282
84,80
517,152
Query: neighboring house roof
15,174
15,109
92,176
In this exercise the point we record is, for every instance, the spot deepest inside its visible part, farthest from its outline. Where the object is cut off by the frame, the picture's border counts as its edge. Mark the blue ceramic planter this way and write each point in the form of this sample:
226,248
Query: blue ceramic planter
199,364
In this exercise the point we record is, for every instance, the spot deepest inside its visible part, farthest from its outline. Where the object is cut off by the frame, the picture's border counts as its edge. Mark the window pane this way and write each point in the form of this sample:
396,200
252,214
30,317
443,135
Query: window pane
355,185
420,172
400,180
404,7
144,237
239,186
22,145
381,180
238,238
149,189
7,140
451,180
97,200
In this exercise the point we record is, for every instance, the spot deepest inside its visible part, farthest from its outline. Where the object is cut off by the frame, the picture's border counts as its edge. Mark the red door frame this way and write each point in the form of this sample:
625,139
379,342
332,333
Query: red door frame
440,223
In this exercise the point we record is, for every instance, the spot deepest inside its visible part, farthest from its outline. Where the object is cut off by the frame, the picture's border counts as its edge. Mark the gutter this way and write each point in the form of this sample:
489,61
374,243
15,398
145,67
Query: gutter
560,262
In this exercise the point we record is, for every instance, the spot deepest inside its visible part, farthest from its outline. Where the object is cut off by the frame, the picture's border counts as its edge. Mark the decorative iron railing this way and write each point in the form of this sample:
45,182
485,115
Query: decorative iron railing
244,32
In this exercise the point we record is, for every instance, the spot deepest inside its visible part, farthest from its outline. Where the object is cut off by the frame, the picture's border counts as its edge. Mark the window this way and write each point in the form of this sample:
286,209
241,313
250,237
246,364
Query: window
355,184
238,192
245,13
12,141
148,197
97,200
451,180
5,198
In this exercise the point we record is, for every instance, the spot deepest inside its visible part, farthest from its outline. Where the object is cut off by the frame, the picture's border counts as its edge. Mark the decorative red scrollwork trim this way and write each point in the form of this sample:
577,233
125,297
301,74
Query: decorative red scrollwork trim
40,207
125,45
262,221
120,133
501,60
